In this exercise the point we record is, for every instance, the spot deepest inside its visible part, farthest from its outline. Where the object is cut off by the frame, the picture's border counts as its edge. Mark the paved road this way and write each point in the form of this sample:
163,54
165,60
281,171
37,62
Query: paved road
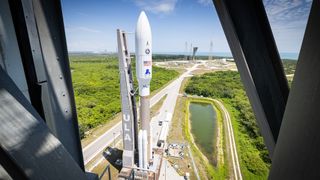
168,106
233,148
167,172
94,148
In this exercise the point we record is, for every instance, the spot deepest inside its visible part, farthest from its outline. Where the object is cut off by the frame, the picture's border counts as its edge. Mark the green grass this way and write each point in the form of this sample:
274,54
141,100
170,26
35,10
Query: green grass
251,163
253,155
97,88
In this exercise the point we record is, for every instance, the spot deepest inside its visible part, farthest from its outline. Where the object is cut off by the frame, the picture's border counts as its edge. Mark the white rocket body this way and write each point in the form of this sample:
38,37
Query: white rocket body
140,144
143,149
143,43
150,143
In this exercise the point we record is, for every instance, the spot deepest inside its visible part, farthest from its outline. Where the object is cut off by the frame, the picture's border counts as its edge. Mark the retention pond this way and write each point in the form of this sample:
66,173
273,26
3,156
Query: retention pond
203,128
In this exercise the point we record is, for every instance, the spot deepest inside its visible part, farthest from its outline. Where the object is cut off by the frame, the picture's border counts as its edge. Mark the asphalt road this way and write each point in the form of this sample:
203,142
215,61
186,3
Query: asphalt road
168,106
94,148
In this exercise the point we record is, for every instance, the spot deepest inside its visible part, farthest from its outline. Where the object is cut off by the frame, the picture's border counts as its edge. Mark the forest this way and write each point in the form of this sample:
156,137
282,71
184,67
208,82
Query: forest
97,88
226,85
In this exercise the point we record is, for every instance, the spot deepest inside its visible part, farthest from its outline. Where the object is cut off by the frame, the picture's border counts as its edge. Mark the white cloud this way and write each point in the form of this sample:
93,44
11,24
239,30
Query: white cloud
205,2
288,20
157,6
287,10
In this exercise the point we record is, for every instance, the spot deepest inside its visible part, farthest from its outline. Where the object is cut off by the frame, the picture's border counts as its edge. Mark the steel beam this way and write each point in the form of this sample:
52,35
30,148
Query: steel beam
10,58
30,50
297,152
39,24
28,150
253,47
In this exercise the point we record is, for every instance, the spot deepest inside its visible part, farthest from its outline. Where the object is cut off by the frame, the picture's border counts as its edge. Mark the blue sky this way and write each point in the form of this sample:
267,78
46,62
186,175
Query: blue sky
91,24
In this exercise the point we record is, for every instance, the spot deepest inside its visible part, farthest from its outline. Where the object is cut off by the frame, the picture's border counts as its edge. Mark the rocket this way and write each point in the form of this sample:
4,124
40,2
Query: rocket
143,52
143,44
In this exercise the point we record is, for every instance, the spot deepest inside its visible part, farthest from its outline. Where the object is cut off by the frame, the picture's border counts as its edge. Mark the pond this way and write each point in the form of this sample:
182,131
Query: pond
203,128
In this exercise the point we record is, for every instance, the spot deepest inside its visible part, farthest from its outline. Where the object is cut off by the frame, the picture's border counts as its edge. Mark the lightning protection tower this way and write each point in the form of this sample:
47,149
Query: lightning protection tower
210,51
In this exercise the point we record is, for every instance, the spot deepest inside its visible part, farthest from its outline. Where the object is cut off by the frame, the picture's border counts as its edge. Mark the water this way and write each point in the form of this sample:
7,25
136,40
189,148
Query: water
291,56
203,128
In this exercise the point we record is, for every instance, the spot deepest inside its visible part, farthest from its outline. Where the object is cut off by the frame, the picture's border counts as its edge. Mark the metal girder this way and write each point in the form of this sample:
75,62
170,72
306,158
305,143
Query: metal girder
10,59
30,51
28,150
39,24
253,47
297,152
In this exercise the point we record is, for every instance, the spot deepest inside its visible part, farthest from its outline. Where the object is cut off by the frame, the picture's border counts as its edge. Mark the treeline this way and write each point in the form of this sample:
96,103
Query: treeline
226,85
97,88
164,57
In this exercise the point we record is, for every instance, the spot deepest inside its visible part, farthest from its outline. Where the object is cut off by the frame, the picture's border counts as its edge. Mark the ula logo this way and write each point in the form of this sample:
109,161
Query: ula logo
126,127
147,51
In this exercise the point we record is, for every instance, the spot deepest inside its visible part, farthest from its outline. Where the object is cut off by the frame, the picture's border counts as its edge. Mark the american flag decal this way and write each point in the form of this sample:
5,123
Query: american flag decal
147,63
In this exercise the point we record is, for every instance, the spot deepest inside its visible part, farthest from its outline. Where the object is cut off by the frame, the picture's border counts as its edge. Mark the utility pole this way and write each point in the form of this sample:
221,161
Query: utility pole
186,50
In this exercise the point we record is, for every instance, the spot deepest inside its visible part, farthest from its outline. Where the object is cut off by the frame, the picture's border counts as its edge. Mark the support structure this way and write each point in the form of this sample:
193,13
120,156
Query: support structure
26,143
194,51
41,38
210,51
129,122
297,152
39,129
253,47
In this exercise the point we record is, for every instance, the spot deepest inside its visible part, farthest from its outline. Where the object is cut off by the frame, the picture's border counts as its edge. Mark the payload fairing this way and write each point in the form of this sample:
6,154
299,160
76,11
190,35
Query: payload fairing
143,43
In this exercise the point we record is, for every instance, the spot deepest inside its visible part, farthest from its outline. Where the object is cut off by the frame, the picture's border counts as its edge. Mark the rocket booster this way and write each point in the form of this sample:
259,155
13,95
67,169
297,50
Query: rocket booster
143,149
143,44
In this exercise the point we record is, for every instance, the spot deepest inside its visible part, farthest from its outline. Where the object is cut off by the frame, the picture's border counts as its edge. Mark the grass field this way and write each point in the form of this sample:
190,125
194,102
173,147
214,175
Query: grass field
97,88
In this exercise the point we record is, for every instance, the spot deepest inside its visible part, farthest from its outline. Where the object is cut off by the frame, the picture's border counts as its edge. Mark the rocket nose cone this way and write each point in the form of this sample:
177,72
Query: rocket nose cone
143,29
143,19
142,13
